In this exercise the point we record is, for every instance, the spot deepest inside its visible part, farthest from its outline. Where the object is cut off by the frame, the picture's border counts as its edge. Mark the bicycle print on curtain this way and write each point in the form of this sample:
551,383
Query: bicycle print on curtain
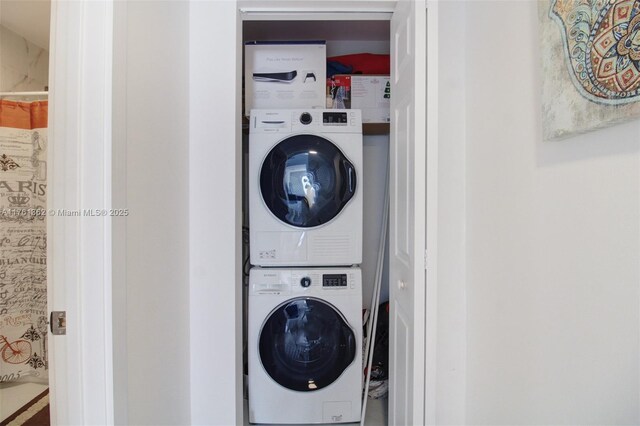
23,241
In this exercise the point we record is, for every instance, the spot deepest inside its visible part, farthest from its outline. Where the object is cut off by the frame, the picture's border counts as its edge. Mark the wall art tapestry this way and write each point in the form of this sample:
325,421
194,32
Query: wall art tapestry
23,241
590,64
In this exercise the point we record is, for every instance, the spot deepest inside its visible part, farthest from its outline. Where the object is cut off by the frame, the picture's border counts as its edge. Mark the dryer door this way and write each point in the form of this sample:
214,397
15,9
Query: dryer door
306,344
306,181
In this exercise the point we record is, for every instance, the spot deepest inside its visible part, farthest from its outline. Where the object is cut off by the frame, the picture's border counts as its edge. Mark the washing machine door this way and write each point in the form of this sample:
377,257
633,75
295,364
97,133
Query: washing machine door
305,344
305,181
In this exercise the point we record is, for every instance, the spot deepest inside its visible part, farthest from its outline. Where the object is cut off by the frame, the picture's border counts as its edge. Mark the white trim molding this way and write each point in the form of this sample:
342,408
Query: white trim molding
431,213
79,179
215,220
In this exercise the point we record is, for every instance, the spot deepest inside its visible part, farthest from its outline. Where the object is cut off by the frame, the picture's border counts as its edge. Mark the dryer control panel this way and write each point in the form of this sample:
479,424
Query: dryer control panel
306,120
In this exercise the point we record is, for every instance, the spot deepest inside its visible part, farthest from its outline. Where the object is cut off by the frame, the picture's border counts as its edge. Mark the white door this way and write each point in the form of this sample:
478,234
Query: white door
407,214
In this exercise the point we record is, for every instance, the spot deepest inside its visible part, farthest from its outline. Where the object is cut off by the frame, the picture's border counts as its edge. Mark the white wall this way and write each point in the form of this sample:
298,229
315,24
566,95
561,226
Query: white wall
151,178
376,157
553,244
550,287
451,287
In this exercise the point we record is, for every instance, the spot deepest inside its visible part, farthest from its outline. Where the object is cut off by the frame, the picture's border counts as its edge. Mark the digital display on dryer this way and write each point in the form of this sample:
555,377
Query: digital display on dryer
334,117
334,280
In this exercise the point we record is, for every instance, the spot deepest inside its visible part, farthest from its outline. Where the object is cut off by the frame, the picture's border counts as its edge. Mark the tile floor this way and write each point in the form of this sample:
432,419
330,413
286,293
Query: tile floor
15,395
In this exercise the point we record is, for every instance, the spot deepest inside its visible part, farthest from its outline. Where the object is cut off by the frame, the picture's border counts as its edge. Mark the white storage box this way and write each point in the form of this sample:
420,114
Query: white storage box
288,74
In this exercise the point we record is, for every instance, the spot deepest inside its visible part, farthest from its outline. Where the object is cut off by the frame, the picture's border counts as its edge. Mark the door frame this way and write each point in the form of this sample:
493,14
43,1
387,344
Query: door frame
79,177
334,10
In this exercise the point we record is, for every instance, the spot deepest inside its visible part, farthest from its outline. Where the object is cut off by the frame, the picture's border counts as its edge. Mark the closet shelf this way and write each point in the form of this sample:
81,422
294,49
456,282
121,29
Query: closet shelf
375,128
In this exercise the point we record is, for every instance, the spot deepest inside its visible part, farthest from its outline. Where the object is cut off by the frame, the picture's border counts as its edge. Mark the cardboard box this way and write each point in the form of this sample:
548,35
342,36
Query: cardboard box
287,74
369,93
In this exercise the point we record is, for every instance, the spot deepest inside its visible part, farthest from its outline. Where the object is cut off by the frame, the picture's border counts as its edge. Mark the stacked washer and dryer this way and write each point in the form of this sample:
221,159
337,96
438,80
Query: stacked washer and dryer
305,289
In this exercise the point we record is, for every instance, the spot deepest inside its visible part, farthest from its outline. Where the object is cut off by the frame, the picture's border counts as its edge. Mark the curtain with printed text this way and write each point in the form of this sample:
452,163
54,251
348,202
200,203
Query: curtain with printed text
23,240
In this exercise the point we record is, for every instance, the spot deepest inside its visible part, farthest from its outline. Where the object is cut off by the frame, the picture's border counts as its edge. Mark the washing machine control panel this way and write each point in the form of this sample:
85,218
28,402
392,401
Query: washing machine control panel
334,280
335,118
303,281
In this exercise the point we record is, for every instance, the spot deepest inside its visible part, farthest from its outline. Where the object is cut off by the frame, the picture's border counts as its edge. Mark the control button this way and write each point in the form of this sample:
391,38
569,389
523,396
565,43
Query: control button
305,118
353,121
305,282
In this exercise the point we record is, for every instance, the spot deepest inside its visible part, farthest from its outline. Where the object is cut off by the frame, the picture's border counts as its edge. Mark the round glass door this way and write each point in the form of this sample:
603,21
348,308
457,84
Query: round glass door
306,181
306,344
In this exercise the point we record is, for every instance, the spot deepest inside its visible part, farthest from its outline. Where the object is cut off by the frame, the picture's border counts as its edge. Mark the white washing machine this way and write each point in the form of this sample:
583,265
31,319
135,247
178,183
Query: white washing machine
305,180
305,345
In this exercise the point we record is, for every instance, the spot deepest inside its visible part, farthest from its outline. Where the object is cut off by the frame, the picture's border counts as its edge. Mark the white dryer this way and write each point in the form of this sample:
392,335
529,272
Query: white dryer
305,179
305,345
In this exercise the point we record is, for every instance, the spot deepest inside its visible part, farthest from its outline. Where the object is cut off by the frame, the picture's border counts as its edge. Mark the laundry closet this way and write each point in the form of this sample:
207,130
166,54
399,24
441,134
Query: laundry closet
349,32
361,217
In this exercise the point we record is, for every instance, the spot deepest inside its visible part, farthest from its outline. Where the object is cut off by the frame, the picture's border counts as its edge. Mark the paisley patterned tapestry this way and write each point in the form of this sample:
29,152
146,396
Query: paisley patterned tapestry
591,64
